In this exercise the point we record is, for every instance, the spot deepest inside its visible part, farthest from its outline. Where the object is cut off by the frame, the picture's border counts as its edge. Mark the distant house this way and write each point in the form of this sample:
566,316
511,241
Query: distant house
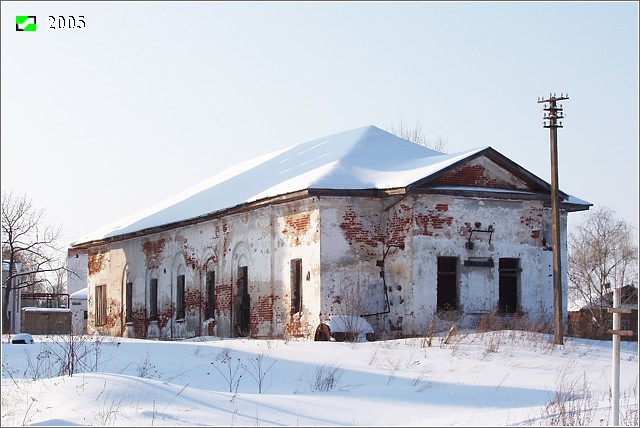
358,223
583,322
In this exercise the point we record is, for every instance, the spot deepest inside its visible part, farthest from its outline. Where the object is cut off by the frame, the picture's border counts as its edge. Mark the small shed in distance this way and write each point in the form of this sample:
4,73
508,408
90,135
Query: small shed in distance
46,320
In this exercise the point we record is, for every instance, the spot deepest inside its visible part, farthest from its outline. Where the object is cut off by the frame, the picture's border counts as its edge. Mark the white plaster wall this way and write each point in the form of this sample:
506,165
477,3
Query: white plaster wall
78,307
77,265
294,234
259,240
351,282
515,224
340,241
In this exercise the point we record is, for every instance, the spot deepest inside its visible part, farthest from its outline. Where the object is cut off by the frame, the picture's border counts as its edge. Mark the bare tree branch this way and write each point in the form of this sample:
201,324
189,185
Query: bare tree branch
416,135
29,250
602,255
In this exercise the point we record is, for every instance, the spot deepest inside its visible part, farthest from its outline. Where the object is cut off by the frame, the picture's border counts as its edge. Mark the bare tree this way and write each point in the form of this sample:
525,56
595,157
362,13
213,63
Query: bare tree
350,307
58,285
416,135
27,243
602,254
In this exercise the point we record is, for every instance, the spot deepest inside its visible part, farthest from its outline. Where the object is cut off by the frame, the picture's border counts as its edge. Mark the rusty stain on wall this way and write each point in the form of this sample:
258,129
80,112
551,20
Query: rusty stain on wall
153,251
397,325
226,236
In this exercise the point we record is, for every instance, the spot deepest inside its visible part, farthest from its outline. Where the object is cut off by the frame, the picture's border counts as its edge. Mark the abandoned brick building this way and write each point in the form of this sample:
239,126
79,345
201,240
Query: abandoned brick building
359,223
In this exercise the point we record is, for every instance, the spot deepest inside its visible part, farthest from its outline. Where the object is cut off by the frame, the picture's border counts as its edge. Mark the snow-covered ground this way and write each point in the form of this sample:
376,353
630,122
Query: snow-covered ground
464,379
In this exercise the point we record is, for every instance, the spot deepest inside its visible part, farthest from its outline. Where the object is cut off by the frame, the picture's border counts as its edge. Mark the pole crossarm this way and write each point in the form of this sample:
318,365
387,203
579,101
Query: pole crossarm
621,332
619,310
552,119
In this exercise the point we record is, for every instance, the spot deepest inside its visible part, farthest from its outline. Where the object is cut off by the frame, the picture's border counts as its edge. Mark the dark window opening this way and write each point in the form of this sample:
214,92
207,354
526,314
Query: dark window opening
296,286
153,299
245,300
447,288
101,304
129,302
180,298
86,315
508,285
211,299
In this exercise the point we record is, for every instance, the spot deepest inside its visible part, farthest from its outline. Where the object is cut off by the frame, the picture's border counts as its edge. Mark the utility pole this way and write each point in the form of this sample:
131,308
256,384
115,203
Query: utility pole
552,121
615,362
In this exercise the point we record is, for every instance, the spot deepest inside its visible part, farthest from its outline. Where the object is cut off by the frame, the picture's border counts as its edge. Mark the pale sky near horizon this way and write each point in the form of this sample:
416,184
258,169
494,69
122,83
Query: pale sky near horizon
151,98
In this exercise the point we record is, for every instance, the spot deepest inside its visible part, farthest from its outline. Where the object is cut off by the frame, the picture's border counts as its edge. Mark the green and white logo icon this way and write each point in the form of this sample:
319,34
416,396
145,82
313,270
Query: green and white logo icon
25,23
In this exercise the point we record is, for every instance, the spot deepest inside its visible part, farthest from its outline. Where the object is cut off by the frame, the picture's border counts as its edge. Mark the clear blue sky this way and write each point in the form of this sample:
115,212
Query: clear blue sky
153,97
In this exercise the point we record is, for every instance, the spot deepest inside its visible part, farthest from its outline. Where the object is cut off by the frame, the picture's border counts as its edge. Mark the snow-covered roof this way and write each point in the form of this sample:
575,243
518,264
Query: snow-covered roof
79,295
37,309
361,158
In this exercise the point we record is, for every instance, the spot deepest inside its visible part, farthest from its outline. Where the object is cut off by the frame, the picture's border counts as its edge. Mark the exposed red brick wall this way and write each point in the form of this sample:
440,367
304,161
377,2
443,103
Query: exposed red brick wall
165,313
265,309
434,219
188,253
211,328
95,262
113,313
357,235
211,259
140,323
532,219
223,299
398,225
153,252
293,327
470,175
297,225
194,301
260,313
